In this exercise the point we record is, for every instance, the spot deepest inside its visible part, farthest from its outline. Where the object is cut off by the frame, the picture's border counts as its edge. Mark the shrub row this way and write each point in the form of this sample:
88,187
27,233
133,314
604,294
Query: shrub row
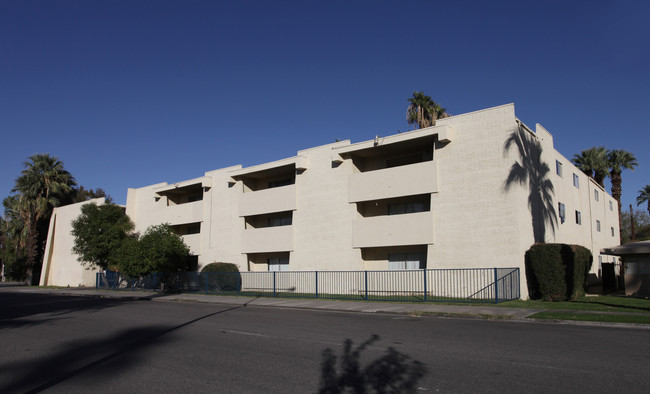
557,272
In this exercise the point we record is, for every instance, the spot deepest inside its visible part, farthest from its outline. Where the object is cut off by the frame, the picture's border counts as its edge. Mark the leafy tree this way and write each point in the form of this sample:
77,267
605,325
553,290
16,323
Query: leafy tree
159,249
593,162
644,196
99,232
641,226
618,160
423,111
42,185
83,194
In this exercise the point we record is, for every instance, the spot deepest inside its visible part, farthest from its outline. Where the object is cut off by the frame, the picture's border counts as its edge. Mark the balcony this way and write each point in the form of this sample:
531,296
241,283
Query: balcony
393,230
268,239
277,199
193,241
412,179
183,213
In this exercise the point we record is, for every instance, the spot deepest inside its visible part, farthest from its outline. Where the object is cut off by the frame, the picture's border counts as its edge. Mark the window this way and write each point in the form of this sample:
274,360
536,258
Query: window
195,197
407,261
194,229
578,218
611,206
281,182
407,207
280,220
562,212
612,228
598,225
595,194
278,264
558,167
576,181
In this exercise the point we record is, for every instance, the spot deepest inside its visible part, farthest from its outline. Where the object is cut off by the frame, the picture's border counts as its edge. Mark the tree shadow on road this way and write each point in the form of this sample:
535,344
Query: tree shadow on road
17,307
75,358
393,372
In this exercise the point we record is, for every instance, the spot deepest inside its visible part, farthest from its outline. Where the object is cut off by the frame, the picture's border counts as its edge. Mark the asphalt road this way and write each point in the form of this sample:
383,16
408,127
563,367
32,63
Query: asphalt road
80,344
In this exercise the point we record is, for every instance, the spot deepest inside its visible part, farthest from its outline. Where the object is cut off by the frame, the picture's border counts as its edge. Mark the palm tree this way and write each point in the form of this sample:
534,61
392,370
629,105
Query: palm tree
42,185
618,160
644,196
594,163
423,111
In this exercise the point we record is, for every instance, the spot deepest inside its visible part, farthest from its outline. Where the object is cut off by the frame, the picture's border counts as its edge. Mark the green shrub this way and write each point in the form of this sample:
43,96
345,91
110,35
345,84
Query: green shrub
557,272
220,277
582,260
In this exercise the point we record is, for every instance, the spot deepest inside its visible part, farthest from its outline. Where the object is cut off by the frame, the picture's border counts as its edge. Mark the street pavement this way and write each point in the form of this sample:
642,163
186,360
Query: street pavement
483,311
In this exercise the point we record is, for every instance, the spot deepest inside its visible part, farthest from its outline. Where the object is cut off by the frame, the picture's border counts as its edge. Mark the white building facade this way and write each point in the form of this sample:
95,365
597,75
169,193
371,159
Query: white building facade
476,190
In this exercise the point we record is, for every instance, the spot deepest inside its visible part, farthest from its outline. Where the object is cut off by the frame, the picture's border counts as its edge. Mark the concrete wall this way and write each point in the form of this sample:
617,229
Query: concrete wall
60,264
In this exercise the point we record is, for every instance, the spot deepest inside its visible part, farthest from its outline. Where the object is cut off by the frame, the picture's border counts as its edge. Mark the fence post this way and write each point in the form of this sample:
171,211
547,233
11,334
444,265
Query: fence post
239,282
273,283
207,281
96,280
316,272
496,286
366,297
424,272
154,281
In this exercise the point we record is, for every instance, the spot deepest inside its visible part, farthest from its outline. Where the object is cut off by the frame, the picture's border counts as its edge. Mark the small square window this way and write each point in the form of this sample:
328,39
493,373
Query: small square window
558,167
576,181
595,194
612,231
598,225
562,212
611,206
578,218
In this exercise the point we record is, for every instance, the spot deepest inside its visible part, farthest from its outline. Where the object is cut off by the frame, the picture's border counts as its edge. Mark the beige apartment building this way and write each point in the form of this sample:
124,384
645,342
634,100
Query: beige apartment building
475,190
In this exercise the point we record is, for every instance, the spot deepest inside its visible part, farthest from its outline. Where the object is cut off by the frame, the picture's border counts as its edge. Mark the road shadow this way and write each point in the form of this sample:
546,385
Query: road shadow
394,372
17,307
89,356
531,172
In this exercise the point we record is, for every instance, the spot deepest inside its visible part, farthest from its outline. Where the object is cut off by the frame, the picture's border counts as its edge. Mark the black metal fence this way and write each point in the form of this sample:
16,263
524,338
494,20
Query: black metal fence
486,285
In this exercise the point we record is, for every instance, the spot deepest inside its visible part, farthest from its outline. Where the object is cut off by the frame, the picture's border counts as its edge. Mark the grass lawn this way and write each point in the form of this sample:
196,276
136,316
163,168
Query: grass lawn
600,303
599,317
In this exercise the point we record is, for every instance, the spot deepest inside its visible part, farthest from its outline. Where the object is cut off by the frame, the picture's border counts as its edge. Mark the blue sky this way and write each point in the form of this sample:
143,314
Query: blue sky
132,93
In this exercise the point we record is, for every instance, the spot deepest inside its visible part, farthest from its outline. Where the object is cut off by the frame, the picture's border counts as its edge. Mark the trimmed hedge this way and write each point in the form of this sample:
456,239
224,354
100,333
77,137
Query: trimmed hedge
557,272
225,277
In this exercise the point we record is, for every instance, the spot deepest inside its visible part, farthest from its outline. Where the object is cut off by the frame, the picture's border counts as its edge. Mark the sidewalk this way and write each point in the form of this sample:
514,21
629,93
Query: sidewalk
485,311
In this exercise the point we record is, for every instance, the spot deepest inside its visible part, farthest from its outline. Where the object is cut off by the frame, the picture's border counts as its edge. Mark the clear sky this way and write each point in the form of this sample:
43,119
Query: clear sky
132,93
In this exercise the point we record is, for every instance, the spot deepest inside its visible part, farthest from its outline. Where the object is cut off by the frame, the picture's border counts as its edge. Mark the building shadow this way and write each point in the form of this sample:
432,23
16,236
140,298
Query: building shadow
393,372
533,173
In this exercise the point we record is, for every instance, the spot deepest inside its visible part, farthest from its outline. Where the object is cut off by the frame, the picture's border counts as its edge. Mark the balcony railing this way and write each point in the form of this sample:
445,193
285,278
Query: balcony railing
277,199
412,179
393,230
267,239
183,213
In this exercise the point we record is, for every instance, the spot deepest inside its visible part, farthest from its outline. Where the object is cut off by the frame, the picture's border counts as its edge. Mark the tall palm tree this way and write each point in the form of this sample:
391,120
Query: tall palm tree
619,160
423,111
41,186
594,163
644,196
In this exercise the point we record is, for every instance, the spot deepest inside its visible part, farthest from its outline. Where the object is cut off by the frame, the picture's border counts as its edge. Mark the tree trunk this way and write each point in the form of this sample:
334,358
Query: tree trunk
616,193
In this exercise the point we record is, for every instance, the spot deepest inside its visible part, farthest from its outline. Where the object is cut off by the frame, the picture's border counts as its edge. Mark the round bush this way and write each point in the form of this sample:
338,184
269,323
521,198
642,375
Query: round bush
220,277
